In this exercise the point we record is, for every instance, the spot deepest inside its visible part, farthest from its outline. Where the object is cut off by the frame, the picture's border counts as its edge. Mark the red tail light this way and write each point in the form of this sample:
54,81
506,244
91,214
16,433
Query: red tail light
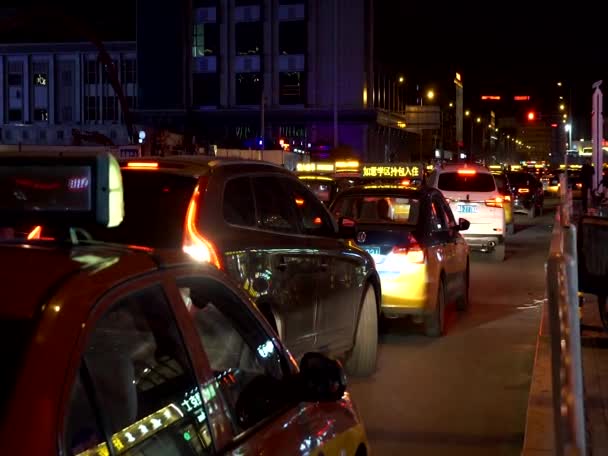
495,202
412,252
35,233
523,190
195,244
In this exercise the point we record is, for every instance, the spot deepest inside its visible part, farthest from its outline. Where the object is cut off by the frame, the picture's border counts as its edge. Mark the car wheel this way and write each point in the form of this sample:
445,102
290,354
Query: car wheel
463,301
498,254
434,324
361,361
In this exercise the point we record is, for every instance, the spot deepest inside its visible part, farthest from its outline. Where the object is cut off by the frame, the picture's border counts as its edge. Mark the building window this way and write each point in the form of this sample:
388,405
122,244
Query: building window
292,88
110,109
131,102
292,37
25,135
14,79
42,135
90,109
106,72
15,115
206,40
249,38
205,89
129,71
41,115
40,79
60,135
248,88
66,114
90,72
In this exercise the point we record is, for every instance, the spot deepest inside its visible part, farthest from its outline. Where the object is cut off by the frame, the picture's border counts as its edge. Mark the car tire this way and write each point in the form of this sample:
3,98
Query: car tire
463,300
498,254
434,324
361,361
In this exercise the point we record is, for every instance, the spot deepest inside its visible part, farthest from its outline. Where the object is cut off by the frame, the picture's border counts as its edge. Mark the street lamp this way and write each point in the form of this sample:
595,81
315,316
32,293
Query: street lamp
467,113
568,128
430,94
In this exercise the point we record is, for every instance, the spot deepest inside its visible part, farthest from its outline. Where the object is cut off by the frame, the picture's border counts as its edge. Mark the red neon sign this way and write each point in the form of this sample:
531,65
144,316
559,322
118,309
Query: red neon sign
490,97
521,97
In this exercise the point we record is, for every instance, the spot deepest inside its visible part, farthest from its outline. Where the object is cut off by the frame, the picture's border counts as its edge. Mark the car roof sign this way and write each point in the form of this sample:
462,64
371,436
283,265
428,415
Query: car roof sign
65,189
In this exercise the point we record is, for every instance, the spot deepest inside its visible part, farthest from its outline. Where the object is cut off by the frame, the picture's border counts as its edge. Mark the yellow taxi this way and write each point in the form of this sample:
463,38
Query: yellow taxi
420,255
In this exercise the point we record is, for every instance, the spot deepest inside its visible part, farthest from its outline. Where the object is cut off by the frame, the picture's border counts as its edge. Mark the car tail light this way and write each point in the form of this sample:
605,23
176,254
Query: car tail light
35,233
507,197
412,252
195,244
579,185
142,165
523,190
406,182
467,172
494,202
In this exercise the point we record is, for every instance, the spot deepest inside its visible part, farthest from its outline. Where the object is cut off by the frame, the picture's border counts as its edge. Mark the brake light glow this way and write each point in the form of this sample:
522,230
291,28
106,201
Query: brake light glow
35,233
467,172
299,201
507,198
413,253
523,190
406,182
142,165
195,244
494,202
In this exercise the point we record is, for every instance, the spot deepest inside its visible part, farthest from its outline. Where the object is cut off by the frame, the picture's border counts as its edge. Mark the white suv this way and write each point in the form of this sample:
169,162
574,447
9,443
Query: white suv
472,194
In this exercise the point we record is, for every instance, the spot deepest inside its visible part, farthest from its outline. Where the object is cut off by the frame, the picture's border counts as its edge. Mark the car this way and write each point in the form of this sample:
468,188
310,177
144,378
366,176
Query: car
261,225
471,192
326,187
422,258
504,188
529,193
114,349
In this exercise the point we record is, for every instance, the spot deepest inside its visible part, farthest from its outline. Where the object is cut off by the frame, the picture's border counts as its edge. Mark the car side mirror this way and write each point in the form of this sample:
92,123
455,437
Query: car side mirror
463,224
347,228
322,379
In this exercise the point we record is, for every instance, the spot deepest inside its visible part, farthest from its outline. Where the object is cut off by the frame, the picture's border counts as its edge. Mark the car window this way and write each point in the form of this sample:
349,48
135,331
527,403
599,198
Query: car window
155,209
314,218
275,210
457,182
439,221
323,189
135,385
501,183
522,180
378,209
247,363
239,208
448,212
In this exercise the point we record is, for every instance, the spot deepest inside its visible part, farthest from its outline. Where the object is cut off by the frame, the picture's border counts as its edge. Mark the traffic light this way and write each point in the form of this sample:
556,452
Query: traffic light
531,116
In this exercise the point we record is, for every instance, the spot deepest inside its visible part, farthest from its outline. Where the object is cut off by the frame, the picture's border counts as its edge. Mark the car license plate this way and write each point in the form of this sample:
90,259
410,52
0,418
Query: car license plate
467,208
372,250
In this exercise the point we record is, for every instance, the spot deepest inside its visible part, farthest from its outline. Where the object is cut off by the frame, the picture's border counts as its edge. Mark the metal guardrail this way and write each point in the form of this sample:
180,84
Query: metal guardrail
564,323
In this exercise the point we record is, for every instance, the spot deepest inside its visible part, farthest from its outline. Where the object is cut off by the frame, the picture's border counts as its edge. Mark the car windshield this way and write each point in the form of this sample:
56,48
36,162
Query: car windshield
521,180
459,182
378,209
155,210
501,183
323,189
14,339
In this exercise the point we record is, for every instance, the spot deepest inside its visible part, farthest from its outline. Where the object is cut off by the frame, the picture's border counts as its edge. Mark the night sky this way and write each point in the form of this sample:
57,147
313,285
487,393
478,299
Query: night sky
501,48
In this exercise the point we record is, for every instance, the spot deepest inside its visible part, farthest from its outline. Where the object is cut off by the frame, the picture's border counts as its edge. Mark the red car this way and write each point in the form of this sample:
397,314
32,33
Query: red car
111,349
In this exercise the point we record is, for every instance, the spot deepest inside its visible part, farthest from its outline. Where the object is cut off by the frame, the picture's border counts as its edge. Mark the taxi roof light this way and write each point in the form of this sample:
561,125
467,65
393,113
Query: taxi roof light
58,189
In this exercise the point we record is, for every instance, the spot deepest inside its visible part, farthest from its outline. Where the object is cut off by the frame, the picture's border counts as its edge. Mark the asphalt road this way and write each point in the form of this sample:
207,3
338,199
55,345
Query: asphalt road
467,392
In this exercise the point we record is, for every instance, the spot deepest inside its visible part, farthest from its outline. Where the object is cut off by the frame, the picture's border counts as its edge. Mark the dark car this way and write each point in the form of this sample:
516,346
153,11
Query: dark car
504,188
422,258
268,231
528,192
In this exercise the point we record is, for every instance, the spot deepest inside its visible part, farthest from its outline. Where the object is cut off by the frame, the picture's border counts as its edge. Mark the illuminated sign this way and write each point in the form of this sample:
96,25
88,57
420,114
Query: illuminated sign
315,167
381,170
521,97
490,97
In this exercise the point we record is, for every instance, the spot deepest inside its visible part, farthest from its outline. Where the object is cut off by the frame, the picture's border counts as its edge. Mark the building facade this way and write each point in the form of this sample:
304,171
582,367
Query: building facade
60,94
254,72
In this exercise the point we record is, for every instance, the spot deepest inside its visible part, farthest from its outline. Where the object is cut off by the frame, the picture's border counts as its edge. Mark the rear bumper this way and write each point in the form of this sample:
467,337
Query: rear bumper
483,241
405,294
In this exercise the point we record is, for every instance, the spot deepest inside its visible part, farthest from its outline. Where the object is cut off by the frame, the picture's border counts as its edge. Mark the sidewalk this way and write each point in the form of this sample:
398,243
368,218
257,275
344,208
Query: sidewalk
539,421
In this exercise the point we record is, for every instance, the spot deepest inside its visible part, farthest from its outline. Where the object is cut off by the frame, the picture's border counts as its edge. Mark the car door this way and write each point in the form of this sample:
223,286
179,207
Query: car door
338,279
443,241
280,248
135,390
461,249
252,374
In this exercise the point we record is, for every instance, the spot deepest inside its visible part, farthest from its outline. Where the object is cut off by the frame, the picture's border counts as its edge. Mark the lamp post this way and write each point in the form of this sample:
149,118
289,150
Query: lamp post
568,128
